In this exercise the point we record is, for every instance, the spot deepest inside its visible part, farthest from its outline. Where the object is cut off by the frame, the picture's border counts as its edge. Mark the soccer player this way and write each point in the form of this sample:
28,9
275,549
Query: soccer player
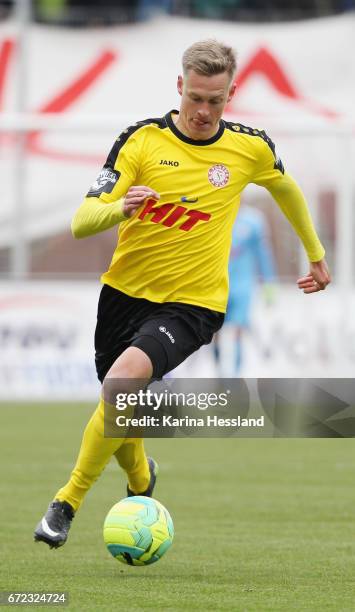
251,261
173,186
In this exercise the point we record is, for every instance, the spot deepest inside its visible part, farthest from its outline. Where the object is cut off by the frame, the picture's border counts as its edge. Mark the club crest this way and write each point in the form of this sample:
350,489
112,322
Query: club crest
218,175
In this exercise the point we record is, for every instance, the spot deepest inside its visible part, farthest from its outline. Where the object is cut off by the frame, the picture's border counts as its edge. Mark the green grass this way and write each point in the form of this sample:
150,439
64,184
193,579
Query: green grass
260,524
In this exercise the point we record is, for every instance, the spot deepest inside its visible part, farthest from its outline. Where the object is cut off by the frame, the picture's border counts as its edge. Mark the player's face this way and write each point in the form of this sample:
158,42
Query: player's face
203,99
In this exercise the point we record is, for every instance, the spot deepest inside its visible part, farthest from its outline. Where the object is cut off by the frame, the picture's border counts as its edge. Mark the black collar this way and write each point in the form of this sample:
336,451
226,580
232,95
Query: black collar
201,143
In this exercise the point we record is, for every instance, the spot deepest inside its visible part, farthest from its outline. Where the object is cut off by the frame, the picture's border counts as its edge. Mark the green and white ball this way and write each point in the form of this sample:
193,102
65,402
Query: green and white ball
138,530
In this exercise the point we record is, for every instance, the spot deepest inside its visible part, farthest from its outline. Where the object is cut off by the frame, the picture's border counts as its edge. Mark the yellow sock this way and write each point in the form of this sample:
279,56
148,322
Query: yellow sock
132,459
95,453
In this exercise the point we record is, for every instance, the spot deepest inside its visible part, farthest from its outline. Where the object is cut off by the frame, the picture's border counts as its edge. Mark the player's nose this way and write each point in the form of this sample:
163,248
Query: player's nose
203,113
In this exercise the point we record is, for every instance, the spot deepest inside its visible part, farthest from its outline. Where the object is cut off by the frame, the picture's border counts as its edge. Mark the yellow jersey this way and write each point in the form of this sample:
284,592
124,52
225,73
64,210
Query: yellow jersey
176,249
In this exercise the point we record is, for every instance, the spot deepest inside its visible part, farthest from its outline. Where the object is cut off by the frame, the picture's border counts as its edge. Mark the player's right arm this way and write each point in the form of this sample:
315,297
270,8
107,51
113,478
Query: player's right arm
113,197
95,216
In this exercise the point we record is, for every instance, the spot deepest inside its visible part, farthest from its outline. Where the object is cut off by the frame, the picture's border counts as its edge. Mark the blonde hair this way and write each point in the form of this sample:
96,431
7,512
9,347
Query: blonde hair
208,57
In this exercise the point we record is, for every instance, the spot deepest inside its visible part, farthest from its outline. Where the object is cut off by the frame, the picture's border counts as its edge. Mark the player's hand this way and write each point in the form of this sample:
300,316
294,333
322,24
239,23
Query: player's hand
317,279
135,197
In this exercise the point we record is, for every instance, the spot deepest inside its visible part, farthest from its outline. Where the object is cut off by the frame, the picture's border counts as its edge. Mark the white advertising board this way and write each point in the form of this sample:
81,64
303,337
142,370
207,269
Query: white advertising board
47,340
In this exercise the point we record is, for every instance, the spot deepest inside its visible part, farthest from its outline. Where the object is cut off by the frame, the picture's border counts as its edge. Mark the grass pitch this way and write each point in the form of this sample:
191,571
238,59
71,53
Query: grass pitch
260,524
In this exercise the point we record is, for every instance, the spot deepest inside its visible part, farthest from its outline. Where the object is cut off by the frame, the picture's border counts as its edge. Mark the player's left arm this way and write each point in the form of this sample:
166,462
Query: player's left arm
293,204
289,197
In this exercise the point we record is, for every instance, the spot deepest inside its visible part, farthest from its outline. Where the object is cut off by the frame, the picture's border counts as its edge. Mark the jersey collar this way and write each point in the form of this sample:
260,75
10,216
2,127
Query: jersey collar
170,123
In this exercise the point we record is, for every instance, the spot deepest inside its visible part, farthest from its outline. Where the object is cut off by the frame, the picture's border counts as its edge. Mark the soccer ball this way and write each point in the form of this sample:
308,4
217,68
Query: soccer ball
138,530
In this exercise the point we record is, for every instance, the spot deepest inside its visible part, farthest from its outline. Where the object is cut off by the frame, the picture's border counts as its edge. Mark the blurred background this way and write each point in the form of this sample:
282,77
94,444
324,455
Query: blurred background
73,74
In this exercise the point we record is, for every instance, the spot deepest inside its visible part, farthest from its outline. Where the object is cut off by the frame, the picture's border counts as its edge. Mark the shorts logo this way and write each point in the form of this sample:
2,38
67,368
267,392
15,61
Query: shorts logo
163,330
218,175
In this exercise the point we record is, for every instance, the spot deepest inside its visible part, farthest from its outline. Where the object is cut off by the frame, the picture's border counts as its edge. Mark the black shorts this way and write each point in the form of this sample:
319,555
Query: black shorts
167,333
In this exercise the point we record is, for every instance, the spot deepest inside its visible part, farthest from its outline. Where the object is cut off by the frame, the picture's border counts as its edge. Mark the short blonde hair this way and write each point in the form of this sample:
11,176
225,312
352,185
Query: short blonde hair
208,57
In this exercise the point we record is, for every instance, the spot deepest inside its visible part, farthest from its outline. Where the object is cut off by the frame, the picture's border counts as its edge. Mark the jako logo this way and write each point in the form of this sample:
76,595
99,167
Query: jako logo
165,331
176,212
168,162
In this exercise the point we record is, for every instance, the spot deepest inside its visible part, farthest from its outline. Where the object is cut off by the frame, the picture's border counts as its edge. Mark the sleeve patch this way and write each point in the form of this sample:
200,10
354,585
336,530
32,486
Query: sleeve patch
104,183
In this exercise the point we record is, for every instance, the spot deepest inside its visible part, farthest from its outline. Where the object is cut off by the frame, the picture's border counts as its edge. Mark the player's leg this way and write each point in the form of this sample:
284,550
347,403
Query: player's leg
113,335
96,449
189,327
141,470
95,452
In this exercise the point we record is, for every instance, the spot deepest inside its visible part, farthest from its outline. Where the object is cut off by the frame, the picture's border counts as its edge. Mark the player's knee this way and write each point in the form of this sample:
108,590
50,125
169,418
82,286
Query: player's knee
133,363
113,386
131,372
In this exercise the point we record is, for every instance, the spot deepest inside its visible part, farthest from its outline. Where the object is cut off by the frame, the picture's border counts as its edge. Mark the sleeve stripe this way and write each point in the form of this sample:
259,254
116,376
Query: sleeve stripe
123,137
243,129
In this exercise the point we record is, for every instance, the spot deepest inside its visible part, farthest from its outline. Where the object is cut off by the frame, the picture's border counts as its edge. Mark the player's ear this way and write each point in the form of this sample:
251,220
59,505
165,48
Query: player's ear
231,92
180,84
